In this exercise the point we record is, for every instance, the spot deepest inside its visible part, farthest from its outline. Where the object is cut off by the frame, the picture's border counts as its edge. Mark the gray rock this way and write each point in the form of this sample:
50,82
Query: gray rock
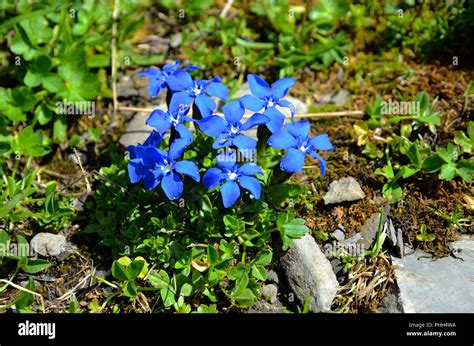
49,244
340,97
270,292
391,233
346,189
176,40
136,130
338,235
263,307
391,303
125,87
272,277
309,273
400,247
341,227
369,230
444,285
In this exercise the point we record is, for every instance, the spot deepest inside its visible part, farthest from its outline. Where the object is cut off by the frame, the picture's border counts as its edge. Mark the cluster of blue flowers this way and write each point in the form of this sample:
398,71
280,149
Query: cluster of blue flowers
155,166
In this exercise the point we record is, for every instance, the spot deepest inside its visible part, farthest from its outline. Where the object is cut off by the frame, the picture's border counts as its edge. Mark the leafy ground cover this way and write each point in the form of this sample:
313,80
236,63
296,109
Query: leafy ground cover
136,251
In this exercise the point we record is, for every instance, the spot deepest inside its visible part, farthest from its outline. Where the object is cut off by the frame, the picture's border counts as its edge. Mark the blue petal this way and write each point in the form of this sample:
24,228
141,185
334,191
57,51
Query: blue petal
287,104
322,163
180,80
172,185
136,170
152,178
180,101
244,142
151,73
277,119
218,90
251,184
226,160
187,168
233,111
153,139
293,161
131,151
280,87
213,178
192,68
150,156
159,120
184,133
252,103
282,140
321,142
155,87
212,125
177,148
223,140
299,129
255,120
205,104
258,86
249,168
230,193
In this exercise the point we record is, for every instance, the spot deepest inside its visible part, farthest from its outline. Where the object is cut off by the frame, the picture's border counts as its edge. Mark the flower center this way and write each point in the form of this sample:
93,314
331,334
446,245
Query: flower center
234,130
270,103
303,148
167,167
232,176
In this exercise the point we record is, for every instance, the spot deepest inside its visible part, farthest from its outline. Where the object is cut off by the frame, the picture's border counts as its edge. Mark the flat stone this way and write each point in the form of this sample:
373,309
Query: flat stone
270,292
49,244
272,277
338,235
176,40
369,230
136,130
340,97
444,285
263,307
346,189
310,273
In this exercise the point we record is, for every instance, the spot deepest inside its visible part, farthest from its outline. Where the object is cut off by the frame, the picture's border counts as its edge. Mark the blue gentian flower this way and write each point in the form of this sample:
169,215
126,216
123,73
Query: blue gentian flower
153,140
154,165
200,90
229,130
266,98
175,116
294,138
233,175
159,79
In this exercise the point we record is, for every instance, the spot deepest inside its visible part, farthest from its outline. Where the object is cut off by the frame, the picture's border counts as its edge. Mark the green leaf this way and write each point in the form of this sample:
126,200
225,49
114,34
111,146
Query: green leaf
168,297
32,266
259,272
159,280
53,83
448,154
212,255
414,155
130,289
120,272
296,228
408,171
25,299
263,258
392,191
245,298
433,163
137,269
447,171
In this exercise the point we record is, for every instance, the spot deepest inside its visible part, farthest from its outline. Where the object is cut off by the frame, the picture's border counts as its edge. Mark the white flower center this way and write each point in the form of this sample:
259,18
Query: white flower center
232,176
302,148
234,130
270,103
166,168
197,90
